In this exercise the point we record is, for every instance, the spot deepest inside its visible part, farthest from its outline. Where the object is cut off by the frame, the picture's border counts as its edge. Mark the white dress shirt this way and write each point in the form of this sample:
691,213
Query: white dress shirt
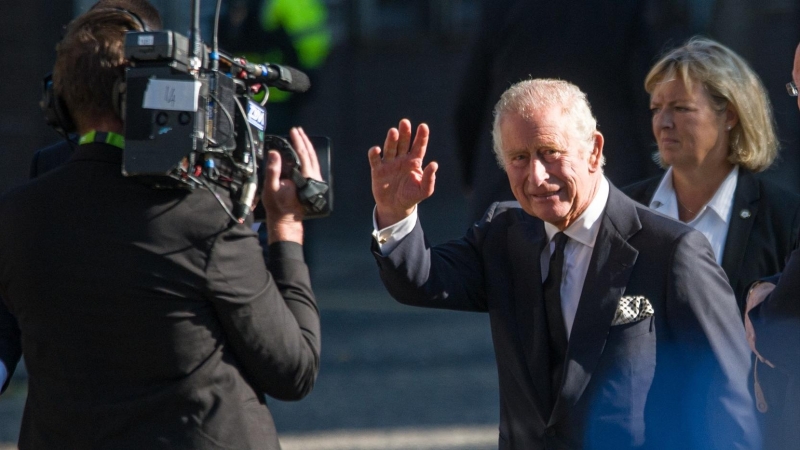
577,253
712,220
582,235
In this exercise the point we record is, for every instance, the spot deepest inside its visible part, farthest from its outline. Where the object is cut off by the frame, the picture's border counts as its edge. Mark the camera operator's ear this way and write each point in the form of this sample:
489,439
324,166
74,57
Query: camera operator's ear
55,111
118,97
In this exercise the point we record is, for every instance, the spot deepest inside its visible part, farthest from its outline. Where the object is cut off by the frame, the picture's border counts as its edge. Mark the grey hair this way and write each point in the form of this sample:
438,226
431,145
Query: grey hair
525,97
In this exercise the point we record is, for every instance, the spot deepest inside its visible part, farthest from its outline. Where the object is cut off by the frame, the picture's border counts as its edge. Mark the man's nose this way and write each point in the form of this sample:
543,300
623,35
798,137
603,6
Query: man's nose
538,172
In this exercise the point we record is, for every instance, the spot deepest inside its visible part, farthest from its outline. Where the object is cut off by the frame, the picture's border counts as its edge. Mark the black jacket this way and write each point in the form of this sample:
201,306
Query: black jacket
148,319
763,231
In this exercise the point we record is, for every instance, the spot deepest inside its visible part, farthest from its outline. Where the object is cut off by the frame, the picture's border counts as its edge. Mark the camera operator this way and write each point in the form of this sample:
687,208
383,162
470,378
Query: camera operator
44,160
148,317
48,158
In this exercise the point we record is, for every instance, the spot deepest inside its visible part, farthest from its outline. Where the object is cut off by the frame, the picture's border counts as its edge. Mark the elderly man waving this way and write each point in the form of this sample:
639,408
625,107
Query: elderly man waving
613,326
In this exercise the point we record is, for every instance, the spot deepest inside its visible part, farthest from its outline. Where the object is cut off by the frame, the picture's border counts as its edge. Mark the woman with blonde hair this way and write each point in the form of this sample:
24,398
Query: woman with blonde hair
713,124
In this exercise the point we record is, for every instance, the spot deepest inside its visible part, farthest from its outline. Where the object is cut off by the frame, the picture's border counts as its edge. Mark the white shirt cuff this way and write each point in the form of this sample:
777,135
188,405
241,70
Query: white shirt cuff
390,237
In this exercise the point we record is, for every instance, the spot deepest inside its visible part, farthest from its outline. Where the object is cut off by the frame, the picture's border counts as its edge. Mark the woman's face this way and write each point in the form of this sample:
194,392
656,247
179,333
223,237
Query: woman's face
690,133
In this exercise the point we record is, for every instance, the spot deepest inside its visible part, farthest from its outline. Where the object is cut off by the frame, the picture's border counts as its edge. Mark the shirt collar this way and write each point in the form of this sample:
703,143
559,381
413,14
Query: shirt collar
722,201
587,225
665,200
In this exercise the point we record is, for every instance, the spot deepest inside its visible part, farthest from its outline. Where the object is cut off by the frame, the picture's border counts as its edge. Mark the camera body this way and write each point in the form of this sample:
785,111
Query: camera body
190,124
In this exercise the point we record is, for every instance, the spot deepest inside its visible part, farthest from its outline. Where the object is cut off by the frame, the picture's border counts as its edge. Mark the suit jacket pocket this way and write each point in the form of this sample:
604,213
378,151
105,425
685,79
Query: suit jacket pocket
631,330
624,375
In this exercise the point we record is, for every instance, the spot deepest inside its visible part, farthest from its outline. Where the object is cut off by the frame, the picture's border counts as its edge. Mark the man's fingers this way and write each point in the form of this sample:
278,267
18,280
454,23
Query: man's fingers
312,152
420,141
390,144
428,182
374,156
404,132
305,152
273,172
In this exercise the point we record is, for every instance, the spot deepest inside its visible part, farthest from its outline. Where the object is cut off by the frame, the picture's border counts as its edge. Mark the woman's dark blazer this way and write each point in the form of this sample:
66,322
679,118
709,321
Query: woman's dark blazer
763,230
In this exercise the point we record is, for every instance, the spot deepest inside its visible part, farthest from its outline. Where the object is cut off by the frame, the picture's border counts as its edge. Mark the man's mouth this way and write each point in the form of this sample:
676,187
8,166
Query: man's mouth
547,195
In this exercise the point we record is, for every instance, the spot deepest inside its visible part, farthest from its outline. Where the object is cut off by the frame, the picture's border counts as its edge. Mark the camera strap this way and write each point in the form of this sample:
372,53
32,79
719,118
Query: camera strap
310,192
103,137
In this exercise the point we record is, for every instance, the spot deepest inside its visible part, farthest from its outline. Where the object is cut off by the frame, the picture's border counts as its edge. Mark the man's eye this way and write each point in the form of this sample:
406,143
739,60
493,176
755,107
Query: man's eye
654,110
518,160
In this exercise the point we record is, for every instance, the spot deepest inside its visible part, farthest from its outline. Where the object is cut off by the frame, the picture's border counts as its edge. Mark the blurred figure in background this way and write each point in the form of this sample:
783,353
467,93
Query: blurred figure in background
713,123
773,330
763,32
603,47
289,32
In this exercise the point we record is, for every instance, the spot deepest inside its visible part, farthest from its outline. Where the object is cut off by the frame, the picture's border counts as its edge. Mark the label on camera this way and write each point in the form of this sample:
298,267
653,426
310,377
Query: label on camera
256,115
172,95
146,39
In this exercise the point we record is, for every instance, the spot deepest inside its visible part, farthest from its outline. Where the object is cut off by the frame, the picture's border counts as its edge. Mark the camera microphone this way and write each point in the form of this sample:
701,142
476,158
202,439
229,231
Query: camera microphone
285,78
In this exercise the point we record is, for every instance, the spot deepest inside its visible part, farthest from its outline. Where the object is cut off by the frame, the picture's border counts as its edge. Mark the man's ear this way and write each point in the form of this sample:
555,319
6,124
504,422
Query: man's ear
596,159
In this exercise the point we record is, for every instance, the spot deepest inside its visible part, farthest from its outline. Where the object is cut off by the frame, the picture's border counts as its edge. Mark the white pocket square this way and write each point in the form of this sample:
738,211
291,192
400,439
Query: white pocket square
632,308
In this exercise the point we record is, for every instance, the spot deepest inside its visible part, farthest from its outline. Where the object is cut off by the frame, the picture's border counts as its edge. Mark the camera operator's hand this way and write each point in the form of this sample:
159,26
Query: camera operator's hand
279,196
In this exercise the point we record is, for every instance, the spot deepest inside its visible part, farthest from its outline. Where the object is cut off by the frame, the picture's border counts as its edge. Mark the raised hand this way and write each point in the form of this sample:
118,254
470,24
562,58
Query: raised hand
399,181
279,196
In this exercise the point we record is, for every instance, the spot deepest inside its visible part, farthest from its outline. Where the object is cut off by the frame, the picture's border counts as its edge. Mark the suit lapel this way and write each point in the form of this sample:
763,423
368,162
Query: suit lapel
745,208
526,241
609,270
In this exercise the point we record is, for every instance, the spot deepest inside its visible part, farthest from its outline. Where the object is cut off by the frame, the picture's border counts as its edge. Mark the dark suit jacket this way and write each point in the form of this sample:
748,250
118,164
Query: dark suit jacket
777,327
48,158
10,345
674,380
148,319
44,160
758,243
756,246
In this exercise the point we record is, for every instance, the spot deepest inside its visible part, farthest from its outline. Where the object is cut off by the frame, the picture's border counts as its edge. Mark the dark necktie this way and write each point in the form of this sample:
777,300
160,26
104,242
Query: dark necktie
555,318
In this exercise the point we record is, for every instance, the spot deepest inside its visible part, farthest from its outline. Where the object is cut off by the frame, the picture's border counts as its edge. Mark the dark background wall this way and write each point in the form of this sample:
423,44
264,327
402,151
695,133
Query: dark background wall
29,31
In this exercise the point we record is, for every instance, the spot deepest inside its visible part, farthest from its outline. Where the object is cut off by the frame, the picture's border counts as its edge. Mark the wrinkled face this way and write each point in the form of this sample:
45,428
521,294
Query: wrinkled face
554,172
690,133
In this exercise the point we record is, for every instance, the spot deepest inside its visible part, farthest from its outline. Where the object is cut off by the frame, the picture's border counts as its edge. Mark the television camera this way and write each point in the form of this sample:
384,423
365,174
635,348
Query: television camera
191,120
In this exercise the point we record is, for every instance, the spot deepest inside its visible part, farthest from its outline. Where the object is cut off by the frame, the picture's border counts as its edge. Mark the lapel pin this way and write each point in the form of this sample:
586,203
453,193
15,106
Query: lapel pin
744,214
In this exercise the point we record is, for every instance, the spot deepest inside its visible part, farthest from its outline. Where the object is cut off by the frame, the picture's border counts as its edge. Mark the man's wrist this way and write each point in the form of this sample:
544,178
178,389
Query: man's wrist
285,230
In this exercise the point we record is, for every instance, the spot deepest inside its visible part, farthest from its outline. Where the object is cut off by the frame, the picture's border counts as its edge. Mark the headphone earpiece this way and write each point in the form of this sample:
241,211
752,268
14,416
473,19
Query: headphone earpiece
55,111
56,114
135,17
118,97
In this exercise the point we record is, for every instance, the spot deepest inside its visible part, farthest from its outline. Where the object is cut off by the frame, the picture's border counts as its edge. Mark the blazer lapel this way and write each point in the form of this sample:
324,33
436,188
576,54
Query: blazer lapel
526,241
745,208
609,270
